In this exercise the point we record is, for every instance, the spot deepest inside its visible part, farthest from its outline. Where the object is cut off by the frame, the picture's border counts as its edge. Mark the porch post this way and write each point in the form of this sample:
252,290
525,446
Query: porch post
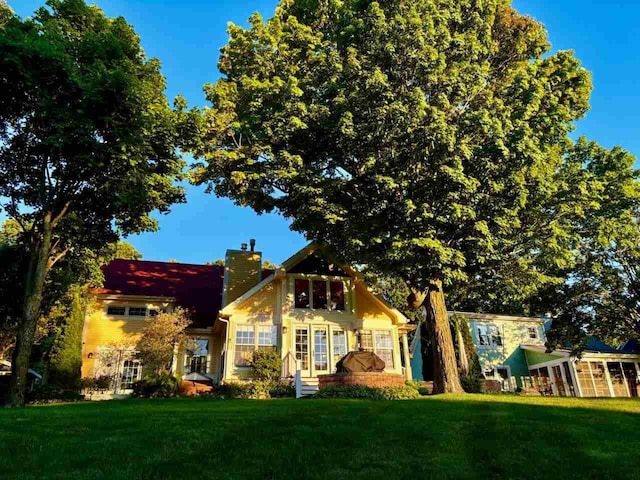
406,356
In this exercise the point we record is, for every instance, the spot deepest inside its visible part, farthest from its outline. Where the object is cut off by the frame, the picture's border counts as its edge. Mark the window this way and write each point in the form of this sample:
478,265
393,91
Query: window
113,310
131,371
366,341
245,345
302,347
319,295
339,343
137,311
380,342
337,295
302,293
196,358
320,356
384,347
267,337
325,295
533,333
489,336
246,336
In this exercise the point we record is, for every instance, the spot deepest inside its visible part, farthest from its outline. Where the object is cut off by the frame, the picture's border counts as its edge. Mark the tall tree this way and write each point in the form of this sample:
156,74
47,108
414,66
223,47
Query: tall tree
88,142
601,296
413,136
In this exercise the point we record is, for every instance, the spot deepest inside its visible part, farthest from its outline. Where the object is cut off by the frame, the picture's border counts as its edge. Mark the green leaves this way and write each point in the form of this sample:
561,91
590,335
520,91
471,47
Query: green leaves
429,138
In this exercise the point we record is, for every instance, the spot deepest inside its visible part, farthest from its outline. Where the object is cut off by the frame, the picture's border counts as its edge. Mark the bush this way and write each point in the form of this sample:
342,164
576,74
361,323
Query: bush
471,384
419,386
53,393
406,392
92,384
162,385
282,389
260,389
266,365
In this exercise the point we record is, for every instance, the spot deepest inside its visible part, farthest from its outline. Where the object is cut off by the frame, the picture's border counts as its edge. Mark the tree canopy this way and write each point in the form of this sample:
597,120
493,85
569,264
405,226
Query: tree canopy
416,137
88,141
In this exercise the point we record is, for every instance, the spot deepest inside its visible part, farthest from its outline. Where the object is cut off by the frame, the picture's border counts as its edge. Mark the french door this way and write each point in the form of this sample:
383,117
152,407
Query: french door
312,349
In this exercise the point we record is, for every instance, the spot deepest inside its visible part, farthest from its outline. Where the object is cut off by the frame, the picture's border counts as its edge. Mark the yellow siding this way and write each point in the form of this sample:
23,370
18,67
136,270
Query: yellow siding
273,305
262,303
102,330
242,271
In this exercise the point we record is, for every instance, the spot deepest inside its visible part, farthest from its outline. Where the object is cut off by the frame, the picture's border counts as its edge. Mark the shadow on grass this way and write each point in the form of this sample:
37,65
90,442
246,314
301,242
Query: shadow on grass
443,437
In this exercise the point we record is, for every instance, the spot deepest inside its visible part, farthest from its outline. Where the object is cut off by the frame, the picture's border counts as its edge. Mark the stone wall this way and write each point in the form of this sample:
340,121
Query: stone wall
368,379
491,386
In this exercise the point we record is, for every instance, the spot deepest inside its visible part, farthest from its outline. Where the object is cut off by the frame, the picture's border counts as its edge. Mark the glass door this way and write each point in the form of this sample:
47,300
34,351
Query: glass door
302,349
320,350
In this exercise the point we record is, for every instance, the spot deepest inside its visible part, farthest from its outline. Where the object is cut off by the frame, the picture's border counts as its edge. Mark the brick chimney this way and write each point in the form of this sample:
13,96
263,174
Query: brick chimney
242,271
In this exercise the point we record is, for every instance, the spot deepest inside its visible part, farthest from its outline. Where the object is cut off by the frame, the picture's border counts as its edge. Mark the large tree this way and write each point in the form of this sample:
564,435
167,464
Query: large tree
413,136
88,142
601,296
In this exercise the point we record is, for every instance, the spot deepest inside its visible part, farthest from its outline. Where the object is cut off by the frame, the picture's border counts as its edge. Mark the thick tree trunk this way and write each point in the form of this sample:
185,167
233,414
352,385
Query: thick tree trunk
445,369
34,287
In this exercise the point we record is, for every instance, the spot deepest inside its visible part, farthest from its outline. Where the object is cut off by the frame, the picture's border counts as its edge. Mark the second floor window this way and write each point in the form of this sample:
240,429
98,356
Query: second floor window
319,294
489,336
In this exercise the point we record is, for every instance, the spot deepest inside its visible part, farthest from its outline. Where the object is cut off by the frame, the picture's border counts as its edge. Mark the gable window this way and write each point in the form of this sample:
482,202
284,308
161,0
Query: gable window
325,295
533,333
116,310
302,293
489,336
337,295
319,295
380,342
250,338
137,311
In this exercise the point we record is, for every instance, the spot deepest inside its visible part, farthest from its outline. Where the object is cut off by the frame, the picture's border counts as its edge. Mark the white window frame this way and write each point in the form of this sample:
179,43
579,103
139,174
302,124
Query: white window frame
327,281
489,333
373,332
256,339
127,311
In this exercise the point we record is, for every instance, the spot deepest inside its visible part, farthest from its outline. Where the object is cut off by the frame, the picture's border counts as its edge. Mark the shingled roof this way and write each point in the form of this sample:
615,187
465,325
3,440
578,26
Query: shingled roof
194,287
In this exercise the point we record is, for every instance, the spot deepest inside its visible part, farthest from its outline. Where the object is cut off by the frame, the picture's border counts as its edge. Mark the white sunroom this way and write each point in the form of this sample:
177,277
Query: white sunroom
604,372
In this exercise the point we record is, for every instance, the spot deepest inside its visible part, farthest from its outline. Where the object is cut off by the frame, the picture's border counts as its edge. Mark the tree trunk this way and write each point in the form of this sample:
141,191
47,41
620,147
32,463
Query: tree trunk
34,287
445,369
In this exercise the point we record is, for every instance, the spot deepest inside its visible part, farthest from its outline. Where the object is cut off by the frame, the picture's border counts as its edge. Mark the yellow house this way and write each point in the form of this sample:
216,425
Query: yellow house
311,311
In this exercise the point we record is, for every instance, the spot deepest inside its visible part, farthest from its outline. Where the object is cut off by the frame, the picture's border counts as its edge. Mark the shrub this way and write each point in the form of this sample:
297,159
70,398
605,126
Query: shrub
231,390
419,386
471,384
282,389
369,393
53,393
266,365
156,385
260,389
91,384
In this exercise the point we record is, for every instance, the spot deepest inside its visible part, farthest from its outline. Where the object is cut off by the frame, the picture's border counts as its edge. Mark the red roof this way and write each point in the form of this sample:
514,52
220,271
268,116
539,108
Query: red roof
195,287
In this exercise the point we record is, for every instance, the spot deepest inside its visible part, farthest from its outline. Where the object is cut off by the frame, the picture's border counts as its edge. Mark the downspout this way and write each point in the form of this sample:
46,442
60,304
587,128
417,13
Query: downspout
224,349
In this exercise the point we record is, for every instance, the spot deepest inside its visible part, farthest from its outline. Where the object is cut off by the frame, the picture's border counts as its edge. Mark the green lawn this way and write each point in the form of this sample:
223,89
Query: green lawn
472,436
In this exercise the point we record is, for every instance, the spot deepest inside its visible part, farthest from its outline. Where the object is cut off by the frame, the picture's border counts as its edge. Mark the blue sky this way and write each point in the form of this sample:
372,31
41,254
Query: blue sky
186,36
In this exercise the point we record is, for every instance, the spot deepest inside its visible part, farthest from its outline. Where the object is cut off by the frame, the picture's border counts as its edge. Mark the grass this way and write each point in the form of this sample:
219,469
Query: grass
471,436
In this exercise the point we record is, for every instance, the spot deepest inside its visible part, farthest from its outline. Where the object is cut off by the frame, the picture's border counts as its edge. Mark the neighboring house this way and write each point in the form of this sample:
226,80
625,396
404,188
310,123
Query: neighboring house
599,371
512,349
309,310
497,339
